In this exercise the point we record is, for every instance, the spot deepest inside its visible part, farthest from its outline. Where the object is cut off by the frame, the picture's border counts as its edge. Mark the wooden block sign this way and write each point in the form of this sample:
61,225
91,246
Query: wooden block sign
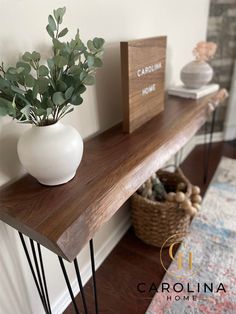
143,75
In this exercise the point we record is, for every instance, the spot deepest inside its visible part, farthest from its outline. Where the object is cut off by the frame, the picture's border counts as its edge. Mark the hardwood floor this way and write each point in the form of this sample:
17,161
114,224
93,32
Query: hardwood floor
132,262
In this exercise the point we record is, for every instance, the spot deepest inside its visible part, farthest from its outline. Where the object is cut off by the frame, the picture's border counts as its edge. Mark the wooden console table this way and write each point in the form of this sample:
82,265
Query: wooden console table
65,218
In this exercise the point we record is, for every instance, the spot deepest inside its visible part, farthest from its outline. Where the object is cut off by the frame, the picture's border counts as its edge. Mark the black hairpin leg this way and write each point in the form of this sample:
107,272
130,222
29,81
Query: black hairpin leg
208,147
80,286
39,274
94,276
80,282
35,262
68,284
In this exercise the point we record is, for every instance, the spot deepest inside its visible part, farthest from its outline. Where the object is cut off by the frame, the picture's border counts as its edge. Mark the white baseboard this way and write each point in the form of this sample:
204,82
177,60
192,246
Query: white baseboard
64,300
230,132
217,137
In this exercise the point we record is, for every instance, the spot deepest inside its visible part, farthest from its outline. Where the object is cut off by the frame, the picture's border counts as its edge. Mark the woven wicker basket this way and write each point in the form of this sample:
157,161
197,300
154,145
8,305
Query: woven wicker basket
154,222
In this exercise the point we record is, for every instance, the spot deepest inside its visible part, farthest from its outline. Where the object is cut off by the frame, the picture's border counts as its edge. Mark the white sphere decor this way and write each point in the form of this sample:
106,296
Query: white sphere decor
51,153
196,74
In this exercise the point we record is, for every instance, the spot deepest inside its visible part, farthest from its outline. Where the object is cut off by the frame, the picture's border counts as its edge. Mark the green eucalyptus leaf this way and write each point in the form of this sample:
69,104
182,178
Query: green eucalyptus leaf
91,46
100,53
69,92
62,86
79,44
72,44
76,56
90,60
11,77
89,80
98,63
98,42
50,63
35,89
4,84
43,84
17,90
59,13
12,71
60,61
37,103
52,23
24,65
36,56
27,56
49,103
76,100
32,63
63,32
70,80
66,48
4,106
58,98
3,111
29,96
43,70
71,60
40,112
83,75
23,98
81,89
57,44
29,80
50,32
20,70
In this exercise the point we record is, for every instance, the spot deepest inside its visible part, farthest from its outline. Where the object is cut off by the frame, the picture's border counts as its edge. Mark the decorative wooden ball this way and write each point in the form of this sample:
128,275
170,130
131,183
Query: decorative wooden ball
196,198
186,204
197,206
180,197
196,190
170,197
191,211
181,186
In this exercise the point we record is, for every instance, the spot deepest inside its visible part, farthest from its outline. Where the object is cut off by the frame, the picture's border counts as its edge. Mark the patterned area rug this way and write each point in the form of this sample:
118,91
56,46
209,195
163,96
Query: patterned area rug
210,286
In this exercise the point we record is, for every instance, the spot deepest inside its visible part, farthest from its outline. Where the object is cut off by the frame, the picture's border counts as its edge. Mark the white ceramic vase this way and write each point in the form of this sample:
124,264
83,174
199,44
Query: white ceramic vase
51,153
196,74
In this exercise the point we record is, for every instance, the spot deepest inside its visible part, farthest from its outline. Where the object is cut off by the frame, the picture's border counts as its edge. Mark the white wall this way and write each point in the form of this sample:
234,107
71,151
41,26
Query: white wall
22,27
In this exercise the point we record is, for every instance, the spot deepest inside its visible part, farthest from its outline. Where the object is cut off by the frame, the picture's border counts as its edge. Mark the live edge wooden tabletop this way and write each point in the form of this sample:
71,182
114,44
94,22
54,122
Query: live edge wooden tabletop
114,165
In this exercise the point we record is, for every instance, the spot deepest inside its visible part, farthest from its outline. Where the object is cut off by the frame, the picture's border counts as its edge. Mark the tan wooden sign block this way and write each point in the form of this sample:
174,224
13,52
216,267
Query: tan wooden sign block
143,76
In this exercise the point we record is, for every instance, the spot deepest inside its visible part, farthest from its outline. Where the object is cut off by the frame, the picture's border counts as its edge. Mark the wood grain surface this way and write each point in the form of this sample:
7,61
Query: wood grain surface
132,261
114,165
142,80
